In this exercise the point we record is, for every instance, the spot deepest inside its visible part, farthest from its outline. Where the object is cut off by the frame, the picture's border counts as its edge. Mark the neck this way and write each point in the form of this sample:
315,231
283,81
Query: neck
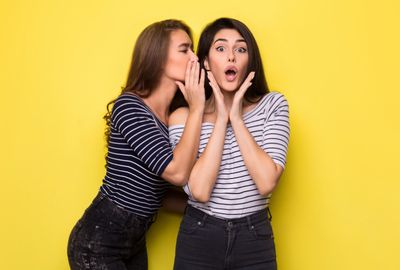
160,99
228,100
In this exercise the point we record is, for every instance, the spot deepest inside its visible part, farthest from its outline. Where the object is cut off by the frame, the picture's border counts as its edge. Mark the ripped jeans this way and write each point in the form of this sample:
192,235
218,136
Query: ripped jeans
108,237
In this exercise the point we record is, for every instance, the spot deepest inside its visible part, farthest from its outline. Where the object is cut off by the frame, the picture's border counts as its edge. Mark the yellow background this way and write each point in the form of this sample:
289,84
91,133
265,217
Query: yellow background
337,62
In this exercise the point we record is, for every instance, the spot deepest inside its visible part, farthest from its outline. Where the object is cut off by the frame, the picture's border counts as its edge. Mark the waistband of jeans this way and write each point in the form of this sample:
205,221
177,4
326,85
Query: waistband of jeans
101,197
258,216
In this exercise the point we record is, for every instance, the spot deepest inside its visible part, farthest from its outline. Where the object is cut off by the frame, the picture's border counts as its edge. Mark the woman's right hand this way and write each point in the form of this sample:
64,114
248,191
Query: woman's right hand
193,89
222,113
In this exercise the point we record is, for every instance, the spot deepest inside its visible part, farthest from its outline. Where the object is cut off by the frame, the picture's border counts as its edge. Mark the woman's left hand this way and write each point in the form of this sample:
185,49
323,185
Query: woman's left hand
237,105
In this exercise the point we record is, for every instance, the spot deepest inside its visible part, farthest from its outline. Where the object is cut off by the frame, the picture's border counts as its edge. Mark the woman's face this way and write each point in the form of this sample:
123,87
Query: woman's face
179,55
228,59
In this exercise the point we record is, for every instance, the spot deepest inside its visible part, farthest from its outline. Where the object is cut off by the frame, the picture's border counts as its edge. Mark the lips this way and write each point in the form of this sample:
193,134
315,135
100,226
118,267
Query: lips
230,73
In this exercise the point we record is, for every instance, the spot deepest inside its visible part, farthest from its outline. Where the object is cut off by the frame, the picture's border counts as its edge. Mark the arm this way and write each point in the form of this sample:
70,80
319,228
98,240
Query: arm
264,170
184,155
205,171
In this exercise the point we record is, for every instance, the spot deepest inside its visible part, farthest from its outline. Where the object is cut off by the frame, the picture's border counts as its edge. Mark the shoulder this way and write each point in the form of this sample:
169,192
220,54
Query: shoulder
129,107
125,99
179,116
130,103
273,101
275,97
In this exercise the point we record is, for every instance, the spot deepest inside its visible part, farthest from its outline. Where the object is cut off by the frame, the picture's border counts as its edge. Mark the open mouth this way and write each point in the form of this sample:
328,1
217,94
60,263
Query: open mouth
230,73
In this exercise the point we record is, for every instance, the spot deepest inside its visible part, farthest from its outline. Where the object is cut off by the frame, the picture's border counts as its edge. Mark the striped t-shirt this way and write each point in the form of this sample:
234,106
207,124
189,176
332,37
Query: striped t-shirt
235,193
138,153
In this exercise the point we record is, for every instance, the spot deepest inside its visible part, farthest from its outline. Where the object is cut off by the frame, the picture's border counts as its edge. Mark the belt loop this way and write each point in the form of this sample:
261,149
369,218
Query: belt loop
249,223
204,219
99,197
269,215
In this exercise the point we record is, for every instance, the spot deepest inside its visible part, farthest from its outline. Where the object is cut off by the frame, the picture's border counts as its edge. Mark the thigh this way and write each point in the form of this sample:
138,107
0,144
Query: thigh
138,261
200,245
101,240
254,248
86,250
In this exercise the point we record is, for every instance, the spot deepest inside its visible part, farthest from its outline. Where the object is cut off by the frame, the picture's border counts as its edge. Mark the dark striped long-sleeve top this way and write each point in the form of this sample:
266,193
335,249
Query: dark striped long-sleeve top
138,152
235,193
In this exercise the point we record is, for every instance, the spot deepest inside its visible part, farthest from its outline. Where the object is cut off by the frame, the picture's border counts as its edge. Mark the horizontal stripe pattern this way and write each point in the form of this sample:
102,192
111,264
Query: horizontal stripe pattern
138,153
235,194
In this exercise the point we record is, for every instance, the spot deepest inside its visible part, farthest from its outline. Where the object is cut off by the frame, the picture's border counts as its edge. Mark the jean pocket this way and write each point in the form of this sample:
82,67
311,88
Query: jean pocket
190,224
104,238
107,217
262,230
110,223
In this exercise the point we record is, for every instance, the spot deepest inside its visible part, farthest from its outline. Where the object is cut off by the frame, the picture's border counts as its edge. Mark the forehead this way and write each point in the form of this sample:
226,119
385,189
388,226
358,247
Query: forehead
179,37
228,34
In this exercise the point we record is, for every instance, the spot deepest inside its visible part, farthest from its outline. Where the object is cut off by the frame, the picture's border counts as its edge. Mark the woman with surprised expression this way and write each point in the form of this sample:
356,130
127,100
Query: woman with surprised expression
242,154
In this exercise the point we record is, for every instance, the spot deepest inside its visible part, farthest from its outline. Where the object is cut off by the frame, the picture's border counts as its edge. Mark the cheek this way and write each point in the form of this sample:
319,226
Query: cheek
243,68
216,67
181,62
179,69
176,65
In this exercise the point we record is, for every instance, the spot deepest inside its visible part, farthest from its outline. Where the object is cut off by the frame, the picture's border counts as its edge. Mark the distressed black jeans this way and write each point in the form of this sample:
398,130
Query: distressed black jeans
108,237
207,242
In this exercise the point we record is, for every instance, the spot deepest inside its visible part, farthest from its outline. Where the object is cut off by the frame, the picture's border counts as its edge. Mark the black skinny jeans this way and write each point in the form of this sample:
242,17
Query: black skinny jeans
108,237
207,242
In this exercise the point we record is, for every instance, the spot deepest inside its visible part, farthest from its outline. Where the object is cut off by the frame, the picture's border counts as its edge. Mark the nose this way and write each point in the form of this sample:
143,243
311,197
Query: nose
231,56
193,56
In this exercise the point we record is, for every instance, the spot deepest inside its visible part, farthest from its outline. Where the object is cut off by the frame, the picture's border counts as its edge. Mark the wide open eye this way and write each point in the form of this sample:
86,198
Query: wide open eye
220,49
241,50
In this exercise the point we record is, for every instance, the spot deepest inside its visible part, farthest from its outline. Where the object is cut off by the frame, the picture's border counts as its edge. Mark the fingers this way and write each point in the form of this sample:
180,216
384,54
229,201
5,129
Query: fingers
181,88
246,84
213,82
202,77
193,88
194,74
188,72
236,110
215,88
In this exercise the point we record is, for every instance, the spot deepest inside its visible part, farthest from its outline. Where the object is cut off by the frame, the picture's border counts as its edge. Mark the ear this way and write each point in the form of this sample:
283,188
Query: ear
206,65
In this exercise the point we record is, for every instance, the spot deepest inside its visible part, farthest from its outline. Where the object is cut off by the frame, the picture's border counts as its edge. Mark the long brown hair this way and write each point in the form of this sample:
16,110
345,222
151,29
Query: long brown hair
148,61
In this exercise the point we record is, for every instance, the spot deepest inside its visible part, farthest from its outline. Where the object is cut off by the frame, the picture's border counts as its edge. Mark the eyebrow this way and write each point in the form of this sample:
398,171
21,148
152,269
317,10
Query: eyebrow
225,40
185,45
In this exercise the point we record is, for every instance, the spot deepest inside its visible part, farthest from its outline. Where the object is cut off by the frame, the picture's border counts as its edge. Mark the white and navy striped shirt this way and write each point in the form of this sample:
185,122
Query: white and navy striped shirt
138,153
235,193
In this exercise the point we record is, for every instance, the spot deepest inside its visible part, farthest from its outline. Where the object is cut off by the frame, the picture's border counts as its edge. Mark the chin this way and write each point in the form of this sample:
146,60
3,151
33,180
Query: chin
230,86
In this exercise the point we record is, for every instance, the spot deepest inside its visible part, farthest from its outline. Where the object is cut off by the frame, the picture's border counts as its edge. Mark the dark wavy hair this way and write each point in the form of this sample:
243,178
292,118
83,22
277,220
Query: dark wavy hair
148,61
259,85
